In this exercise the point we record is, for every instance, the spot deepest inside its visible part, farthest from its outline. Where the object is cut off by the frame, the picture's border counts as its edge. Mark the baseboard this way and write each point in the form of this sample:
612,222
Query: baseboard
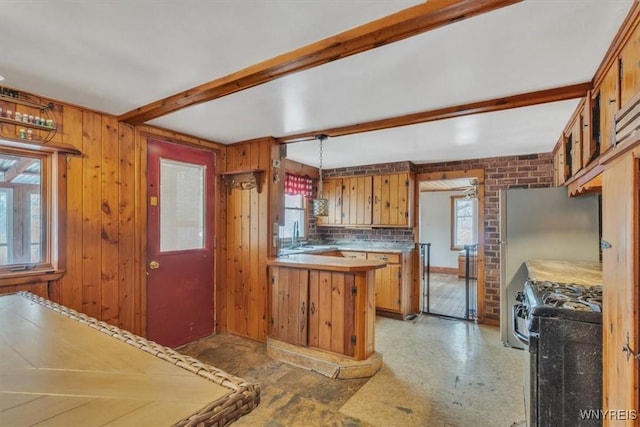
443,270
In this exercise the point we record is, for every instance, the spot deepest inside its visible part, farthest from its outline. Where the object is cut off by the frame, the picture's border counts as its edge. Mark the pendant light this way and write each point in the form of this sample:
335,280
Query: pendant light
320,205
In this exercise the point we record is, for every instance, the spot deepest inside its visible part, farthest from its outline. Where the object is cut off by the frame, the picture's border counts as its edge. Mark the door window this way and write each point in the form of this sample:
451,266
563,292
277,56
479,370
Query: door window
182,189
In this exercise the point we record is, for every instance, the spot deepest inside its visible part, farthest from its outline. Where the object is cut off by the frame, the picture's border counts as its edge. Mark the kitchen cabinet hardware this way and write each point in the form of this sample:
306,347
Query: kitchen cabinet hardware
627,349
604,244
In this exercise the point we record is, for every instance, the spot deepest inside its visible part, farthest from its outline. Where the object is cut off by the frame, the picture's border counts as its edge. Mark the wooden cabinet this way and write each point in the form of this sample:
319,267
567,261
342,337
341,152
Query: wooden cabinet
559,163
354,254
331,311
395,293
356,200
609,98
289,304
378,200
620,266
630,73
391,199
388,282
331,307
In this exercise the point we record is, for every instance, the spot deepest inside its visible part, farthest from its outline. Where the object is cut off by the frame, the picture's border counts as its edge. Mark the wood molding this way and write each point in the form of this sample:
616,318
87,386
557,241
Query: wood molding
491,105
398,26
444,270
297,168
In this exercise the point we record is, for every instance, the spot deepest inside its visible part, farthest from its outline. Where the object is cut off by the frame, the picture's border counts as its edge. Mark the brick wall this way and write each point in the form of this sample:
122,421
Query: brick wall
529,171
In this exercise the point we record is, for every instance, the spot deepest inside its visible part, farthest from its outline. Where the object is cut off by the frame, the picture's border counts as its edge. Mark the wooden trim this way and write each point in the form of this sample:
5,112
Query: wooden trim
297,168
178,138
30,277
49,147
444,270
398,26
491,105
586,180
631,21
470,173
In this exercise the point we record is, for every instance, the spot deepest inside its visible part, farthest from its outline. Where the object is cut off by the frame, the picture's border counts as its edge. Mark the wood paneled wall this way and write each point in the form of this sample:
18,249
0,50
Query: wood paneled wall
250,216
103,232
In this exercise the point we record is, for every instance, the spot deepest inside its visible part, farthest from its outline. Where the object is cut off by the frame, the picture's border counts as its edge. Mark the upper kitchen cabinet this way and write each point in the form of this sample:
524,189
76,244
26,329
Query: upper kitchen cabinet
606,104
392,199
369,200
356,200
630,73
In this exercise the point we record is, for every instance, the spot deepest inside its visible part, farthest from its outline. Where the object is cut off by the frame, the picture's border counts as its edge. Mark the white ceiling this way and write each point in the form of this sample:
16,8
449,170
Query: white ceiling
114,56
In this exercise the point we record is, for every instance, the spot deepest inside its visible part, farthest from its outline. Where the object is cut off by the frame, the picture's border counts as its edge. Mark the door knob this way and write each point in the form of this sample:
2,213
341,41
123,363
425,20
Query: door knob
154,264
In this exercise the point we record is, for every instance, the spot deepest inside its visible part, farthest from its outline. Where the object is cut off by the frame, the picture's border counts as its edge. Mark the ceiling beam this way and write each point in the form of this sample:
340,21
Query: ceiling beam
491,105
398,26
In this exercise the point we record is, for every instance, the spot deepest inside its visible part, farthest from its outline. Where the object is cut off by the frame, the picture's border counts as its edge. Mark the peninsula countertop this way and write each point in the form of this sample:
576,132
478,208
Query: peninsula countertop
562,271
321,262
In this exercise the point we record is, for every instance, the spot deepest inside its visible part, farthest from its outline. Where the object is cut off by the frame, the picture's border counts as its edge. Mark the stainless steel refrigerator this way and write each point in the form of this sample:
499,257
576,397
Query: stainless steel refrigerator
541,223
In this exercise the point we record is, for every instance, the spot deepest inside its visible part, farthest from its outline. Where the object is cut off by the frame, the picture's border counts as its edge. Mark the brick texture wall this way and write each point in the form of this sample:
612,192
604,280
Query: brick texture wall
528,171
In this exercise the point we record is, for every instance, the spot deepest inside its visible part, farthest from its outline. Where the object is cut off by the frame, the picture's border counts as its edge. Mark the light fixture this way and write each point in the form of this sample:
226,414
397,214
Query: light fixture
320,205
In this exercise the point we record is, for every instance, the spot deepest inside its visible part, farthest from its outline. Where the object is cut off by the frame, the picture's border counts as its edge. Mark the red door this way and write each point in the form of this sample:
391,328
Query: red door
180,235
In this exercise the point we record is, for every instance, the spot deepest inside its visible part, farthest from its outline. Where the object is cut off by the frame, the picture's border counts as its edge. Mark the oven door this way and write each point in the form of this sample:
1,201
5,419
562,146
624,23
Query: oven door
520,317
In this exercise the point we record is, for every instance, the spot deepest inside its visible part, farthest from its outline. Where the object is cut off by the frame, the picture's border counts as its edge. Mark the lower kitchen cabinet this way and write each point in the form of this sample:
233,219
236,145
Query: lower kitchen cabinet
395,295
331,311
323,309
289,304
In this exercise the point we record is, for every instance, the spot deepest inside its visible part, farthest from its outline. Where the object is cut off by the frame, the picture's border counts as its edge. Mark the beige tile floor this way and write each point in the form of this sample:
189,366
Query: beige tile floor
436,372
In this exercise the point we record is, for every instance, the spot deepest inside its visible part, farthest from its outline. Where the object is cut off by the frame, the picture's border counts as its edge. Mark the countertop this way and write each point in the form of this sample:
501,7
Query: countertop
561,271
320,262
385,247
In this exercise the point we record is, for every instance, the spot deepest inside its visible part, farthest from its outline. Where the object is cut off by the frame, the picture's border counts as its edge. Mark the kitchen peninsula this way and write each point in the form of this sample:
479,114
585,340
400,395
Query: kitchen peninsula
322,314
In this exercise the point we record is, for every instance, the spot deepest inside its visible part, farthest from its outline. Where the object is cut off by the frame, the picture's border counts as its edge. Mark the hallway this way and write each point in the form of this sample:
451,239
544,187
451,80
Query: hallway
436,372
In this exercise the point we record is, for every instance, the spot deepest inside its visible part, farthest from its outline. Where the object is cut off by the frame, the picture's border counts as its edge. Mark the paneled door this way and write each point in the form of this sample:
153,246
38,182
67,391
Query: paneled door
180,240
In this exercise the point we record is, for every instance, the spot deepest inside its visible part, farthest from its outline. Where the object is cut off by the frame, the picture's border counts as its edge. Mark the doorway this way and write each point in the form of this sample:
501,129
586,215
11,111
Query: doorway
180,243
450,232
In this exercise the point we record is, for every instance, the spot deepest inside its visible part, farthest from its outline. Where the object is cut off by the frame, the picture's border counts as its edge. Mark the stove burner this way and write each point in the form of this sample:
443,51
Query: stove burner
569,295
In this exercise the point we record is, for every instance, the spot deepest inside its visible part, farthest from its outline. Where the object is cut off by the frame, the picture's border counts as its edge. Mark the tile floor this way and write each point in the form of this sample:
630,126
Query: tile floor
436,372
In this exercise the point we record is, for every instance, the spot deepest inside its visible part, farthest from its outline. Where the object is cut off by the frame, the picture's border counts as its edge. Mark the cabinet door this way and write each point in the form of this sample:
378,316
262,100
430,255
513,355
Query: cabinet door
388,284
356,194
576,139
630,58
289,304
620,319
609,105
391,199
332,191
331,311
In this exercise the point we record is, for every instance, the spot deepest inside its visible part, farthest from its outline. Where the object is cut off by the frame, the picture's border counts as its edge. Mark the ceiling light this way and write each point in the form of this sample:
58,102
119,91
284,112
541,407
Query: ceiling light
1,77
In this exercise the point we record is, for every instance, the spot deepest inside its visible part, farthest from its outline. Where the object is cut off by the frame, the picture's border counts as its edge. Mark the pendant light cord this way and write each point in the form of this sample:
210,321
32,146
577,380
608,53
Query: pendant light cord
321,138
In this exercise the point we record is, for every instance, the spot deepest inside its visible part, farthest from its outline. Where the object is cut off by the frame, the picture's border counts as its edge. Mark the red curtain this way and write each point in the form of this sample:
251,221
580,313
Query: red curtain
296,184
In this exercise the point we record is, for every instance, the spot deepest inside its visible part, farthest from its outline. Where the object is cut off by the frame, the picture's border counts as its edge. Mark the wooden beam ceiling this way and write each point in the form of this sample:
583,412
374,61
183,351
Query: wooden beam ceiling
491,105
406,23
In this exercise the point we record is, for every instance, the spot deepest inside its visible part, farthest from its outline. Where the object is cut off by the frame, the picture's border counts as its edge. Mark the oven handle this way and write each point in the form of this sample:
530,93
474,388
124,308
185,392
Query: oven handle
517,313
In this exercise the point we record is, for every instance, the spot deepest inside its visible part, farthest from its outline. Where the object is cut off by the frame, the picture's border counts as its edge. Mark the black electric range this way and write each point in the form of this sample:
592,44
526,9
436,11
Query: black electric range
563,367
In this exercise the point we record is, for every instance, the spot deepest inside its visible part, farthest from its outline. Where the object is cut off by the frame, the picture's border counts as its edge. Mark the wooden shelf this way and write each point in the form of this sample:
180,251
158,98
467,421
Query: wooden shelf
27,124
243,179
24,102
